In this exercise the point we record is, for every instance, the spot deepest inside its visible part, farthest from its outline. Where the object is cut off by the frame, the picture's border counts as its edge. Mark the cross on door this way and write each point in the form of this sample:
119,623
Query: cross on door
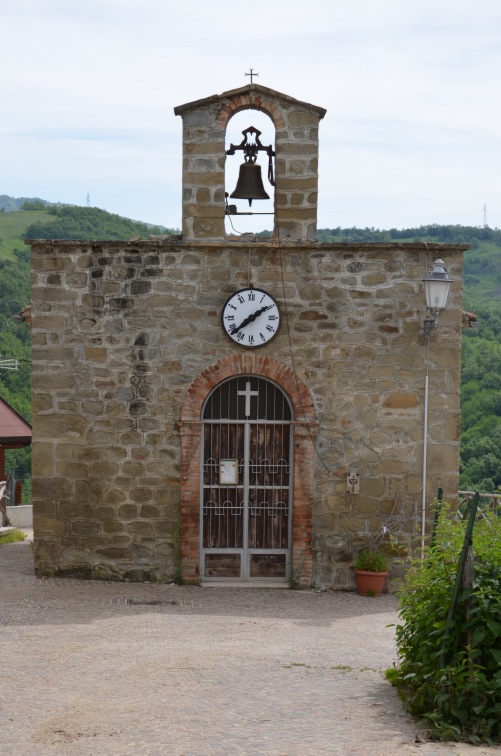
248,393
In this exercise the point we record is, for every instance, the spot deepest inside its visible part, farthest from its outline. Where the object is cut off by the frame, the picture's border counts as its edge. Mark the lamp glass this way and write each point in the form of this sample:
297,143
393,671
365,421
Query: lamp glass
437,286
437,293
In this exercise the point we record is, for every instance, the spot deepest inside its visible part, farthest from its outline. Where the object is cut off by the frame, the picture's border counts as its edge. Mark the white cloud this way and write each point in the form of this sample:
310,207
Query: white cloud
411,131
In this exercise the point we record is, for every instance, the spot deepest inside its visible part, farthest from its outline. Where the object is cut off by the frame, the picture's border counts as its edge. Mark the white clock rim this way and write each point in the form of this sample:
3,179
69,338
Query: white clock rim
233,338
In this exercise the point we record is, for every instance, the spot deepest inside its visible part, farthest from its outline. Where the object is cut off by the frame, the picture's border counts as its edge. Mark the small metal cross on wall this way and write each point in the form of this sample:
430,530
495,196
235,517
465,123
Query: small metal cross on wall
353,482
251,74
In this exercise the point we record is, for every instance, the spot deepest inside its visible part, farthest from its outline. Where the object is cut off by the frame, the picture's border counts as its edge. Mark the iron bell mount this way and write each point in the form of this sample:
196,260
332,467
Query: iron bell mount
250,182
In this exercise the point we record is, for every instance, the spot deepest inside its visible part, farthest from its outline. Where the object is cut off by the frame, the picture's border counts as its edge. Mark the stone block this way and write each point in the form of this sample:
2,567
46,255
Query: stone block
69,469
299,118
96,354
48,526
127,512
42,458
112,552
141,494
84,528
140,527
149,512
82,491
46,507
113,527
54,354
59,426
115,496
51,488
401,400
302,184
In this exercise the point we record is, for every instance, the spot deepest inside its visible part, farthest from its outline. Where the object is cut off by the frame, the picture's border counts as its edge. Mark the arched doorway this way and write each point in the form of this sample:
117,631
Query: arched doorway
192,428
246,482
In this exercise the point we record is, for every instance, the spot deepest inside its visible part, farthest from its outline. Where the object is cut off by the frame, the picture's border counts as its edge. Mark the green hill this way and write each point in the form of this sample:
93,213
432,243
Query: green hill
481,385
10,204
12,229
70,222
482,276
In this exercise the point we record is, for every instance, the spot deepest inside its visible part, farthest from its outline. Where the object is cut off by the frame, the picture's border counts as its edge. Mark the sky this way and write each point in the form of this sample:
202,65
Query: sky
412,92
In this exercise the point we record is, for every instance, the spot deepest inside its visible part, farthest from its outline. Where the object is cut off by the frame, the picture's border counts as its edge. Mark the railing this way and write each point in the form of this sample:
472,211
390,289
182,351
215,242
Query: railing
487,501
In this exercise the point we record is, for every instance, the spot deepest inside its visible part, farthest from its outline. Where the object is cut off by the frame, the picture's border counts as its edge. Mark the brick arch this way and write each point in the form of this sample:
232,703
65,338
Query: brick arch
305,428
266,367
250,102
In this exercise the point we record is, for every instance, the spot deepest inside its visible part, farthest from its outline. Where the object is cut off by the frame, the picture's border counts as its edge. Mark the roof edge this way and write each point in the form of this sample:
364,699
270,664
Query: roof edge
16,442
247,90
4,401
261,241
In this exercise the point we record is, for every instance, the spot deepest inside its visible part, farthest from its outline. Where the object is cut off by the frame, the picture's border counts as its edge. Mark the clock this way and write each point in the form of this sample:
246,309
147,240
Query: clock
251,317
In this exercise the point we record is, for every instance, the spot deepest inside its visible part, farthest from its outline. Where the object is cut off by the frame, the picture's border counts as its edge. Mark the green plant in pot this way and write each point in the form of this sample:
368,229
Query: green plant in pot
371,569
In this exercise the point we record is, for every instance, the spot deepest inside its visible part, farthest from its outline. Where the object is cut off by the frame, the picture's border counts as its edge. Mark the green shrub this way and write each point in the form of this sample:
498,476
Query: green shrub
453,682
372,561
12,536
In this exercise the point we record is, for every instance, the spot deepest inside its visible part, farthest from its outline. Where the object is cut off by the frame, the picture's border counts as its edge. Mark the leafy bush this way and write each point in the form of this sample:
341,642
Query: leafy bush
453,682
372,561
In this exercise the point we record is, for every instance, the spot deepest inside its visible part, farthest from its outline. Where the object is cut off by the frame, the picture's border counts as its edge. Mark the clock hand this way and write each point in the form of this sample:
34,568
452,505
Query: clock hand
249,319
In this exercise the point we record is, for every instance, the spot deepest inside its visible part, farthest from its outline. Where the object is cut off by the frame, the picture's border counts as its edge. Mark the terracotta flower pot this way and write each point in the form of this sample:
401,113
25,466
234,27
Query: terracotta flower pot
370,583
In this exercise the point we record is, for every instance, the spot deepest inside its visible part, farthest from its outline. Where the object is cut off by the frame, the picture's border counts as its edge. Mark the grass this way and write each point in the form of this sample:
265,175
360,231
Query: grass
12,536
296,664
13,226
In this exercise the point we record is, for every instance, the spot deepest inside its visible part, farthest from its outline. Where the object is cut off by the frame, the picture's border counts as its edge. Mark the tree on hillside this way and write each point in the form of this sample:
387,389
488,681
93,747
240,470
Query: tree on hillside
89,223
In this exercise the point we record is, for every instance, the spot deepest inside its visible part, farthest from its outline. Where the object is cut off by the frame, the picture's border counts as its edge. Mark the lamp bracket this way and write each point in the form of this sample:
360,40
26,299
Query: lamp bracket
430,322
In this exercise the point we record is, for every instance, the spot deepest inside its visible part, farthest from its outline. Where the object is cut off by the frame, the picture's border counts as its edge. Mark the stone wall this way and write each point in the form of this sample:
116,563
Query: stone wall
123,330
296,146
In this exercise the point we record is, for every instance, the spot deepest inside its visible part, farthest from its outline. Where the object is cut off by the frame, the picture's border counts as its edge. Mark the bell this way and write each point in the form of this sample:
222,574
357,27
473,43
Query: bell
250,183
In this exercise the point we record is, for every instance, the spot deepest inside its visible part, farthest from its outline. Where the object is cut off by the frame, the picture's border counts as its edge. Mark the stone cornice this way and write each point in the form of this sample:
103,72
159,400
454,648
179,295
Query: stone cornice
248,89
256,243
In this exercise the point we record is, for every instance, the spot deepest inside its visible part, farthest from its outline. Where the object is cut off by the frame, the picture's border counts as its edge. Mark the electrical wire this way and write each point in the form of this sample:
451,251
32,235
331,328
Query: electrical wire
286,313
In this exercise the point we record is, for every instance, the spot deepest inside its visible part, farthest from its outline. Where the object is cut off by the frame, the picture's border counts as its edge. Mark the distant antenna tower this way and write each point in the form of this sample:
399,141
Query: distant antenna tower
485,216
88,199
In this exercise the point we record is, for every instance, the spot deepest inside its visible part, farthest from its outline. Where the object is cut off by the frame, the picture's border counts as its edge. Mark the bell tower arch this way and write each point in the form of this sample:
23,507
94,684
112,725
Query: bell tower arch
296,161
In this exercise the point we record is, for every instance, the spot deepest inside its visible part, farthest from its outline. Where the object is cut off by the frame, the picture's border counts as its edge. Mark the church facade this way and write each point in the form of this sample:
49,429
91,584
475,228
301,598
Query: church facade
209,408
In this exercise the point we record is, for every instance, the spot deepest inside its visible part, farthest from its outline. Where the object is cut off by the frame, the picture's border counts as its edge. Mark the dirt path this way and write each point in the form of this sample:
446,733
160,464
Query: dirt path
122,668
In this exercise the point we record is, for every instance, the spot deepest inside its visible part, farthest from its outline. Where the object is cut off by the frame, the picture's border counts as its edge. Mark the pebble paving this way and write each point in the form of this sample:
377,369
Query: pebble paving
91,667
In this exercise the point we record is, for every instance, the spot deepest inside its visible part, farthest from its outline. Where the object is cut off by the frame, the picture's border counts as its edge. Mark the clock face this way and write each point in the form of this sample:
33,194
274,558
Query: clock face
251,317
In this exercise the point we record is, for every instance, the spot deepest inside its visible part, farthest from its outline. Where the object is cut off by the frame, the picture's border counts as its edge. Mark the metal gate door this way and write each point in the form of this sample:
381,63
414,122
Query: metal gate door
246,482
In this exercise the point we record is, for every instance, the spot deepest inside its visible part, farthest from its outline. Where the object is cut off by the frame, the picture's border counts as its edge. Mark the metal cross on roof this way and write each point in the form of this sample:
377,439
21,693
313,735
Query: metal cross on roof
251,74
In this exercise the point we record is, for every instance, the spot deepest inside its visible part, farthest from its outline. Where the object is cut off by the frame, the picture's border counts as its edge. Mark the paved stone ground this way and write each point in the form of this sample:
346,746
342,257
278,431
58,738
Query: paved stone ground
108,668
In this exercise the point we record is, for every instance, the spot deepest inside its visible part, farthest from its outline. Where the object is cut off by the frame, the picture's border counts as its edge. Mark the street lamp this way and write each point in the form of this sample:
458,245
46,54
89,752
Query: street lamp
436,286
